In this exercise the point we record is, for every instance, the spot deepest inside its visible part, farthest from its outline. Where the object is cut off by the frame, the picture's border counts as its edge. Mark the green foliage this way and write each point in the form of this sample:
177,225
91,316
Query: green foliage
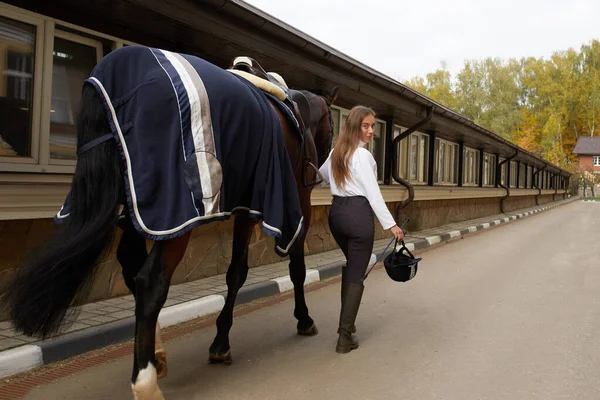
542,105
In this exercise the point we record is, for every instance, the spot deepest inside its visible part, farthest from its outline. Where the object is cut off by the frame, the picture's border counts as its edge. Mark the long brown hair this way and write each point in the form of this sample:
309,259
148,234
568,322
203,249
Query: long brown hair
347,143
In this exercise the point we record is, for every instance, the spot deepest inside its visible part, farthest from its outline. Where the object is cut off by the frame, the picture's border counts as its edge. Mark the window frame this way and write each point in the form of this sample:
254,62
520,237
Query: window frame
422,158
45,137
405,160
502,171
513,175
522,178
450,162
37,85
371,148
489,175
470,176
47,28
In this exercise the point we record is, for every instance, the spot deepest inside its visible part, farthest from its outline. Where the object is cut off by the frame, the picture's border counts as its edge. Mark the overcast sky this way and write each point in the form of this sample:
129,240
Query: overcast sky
408,38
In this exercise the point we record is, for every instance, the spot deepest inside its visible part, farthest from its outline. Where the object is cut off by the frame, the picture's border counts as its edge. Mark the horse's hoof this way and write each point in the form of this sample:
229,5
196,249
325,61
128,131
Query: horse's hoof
220,358
312,331
161,364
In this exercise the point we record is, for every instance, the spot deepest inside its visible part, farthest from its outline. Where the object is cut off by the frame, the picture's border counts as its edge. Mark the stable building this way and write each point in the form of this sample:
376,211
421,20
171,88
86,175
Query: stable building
456,169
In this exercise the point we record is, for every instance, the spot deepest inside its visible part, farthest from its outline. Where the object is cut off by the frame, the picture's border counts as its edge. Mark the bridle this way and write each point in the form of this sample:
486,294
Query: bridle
330,125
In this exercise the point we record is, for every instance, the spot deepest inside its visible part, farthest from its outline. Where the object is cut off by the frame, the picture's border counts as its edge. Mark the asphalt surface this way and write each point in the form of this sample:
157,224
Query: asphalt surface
509,313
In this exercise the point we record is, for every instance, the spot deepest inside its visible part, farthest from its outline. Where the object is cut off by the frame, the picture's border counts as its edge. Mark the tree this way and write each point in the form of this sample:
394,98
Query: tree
542,105
528,134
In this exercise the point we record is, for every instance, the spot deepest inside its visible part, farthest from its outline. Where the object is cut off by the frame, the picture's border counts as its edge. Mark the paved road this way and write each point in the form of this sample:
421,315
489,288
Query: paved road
510,313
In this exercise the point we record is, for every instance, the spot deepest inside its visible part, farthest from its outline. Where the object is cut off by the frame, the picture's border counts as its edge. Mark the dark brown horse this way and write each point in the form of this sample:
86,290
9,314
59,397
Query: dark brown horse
57,276
322,127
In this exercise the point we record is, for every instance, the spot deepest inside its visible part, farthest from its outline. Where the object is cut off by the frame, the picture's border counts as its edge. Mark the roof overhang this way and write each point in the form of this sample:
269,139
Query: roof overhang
220,30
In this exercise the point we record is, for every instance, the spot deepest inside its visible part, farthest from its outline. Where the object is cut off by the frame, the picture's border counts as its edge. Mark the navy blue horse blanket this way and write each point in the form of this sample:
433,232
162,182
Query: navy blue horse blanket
198,143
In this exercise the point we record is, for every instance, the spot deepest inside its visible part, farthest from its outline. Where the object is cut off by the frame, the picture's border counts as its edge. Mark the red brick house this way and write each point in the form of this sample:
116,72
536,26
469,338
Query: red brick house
588,154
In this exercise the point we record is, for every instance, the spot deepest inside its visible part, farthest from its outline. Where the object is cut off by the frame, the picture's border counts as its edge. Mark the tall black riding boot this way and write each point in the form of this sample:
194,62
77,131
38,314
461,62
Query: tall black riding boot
350,305
343,295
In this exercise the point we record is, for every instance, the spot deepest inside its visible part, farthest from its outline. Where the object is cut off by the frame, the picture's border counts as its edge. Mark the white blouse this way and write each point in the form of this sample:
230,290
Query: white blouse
363,182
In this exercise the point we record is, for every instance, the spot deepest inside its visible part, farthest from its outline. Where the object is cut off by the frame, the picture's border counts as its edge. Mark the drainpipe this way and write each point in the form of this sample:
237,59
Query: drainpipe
507,188
431,157
395,173
536,186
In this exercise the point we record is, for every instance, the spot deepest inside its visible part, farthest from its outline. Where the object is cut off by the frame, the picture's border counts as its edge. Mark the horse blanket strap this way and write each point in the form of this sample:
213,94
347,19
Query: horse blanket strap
94,143
198,143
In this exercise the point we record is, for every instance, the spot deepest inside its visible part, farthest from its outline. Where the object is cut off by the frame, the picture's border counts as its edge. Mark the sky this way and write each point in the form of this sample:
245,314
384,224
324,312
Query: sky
404,39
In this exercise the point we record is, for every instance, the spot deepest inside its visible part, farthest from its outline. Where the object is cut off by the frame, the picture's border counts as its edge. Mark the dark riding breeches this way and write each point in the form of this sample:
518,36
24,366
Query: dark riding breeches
352,224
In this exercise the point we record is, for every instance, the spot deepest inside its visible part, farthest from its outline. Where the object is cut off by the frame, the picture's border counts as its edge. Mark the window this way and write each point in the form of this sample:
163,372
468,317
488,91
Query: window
402,150
335,116
489,169
513,174
414,154
596,161
419,157
19,60
470,167
377,147
446,162
413,162
529,181
502,171
522,175
73,60
43,63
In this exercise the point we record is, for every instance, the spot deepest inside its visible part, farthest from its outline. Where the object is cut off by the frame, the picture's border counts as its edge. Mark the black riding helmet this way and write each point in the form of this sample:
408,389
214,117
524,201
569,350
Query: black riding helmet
401,265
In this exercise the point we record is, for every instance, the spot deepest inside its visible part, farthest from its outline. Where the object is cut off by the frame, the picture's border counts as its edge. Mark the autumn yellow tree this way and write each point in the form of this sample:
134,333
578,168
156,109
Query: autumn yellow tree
542,105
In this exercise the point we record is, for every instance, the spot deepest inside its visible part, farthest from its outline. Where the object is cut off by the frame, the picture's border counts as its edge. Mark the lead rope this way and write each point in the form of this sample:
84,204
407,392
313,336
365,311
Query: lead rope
384,250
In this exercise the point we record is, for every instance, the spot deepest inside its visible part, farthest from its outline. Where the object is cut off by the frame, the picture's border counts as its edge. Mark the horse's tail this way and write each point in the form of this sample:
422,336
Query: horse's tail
62,269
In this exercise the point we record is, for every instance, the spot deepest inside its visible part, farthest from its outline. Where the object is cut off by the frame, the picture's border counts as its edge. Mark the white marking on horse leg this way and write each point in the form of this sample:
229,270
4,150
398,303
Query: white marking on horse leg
146,386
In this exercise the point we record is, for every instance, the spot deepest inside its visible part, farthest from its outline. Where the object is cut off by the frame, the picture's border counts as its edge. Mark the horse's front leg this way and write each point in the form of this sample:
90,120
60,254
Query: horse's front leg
152,286
132,255
237,273
306,326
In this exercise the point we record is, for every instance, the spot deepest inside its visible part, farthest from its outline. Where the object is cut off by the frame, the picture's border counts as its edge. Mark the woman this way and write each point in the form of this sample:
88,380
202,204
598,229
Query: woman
351,172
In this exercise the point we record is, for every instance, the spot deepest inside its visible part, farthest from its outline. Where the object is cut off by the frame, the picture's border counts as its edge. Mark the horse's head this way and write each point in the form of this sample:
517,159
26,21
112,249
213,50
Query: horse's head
321,121
324,133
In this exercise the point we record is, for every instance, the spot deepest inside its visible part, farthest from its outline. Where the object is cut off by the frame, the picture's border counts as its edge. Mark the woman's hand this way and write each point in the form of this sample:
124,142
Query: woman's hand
398,233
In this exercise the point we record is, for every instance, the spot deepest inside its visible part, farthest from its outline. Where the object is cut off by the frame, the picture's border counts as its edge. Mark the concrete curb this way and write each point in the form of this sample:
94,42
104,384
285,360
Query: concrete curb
28,357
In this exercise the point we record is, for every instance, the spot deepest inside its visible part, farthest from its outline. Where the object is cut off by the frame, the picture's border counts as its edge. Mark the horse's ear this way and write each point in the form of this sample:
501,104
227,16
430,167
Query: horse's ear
333,96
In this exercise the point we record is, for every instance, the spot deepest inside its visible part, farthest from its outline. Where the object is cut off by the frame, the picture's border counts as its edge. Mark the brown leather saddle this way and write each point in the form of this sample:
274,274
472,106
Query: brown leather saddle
295,101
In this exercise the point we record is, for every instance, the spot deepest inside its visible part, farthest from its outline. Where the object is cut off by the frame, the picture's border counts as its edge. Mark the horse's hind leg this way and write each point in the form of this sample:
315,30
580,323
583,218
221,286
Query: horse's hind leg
132,254
306,326
236,276
151,287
